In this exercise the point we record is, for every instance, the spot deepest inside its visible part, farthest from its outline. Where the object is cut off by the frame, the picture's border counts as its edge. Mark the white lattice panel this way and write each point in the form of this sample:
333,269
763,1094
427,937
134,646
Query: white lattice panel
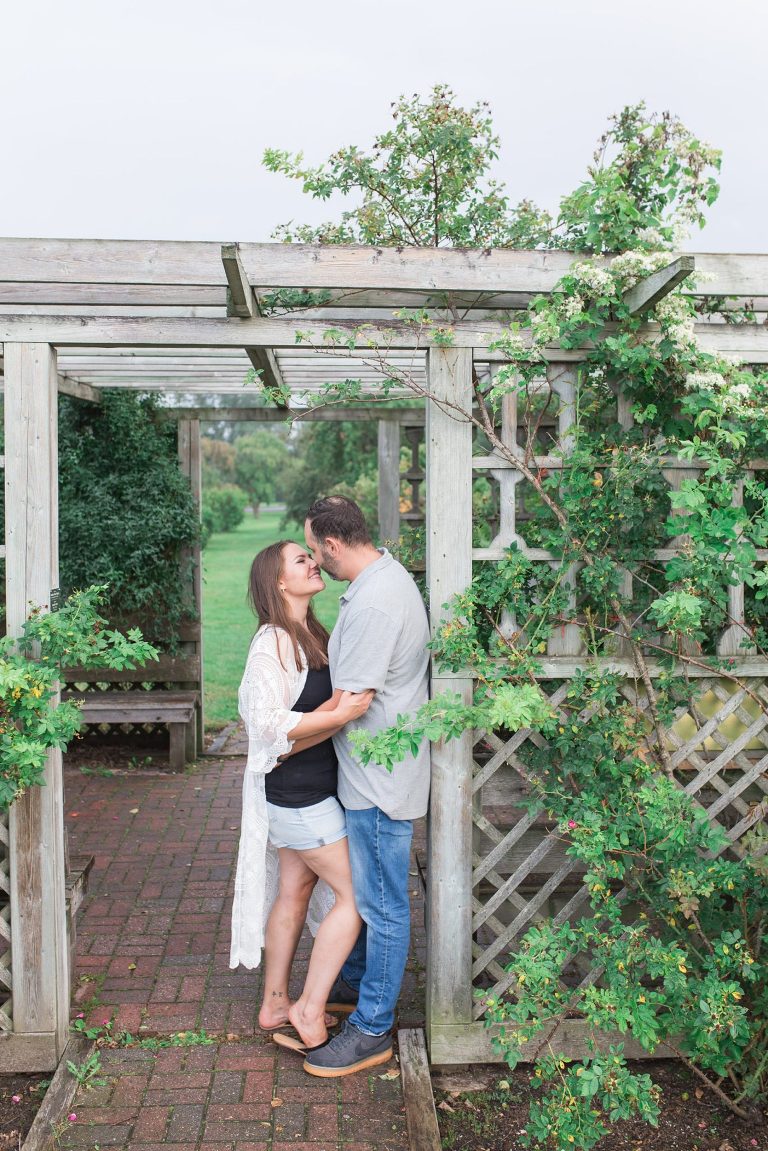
521,873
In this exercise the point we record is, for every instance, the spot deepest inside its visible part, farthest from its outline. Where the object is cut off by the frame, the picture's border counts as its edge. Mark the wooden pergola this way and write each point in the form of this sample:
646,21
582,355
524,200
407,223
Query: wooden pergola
77,316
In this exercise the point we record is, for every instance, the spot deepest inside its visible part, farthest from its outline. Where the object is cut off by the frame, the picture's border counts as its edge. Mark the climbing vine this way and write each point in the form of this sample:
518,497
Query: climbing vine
673,926
31,722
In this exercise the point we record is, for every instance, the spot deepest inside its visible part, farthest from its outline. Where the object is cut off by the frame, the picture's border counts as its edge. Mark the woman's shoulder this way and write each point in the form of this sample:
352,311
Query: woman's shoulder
269,637
272,640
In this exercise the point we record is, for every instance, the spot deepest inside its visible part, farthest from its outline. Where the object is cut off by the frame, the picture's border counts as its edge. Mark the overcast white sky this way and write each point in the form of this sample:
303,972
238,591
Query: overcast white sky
148,119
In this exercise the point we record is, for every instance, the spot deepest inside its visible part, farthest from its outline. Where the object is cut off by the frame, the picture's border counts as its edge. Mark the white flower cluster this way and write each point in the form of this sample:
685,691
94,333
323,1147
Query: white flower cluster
572,306
630,267
652,236
593,279
674,313
513,342
705,382
681,229
733,393
544,326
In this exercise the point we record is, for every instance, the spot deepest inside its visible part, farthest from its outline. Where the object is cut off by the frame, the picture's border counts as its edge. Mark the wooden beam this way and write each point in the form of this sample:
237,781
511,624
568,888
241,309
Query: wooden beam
420,1114
58,1097
746,341
265,363
449,571
389,479
474,1043
38,910
106,331
80,391
645,294
425,270
190,463
360,413
112,295
240,301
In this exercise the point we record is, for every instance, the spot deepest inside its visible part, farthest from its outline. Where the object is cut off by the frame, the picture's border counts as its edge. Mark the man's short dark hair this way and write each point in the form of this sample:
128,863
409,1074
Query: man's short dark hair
340,518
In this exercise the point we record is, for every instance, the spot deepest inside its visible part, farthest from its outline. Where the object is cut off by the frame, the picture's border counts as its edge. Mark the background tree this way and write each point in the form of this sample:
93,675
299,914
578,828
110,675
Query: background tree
260,464
426,183
423,183
331,458
218,461
125,509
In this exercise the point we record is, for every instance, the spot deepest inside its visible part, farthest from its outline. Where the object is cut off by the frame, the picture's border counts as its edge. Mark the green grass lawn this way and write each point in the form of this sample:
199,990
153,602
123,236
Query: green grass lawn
228,622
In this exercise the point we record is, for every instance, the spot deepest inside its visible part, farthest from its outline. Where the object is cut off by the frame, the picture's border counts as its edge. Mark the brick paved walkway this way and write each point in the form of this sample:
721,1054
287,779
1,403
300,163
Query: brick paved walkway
153,948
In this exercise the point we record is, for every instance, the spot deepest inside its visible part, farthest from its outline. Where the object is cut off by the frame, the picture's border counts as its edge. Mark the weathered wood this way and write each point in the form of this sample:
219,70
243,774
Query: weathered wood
80,391
76,886
38,912
747,342
174,709
166,669
190,462
473,1043
27,1053
58,1097
280,265
134,706
264,361
653,288
240,301
181,332
361,413
184,263
420,1114
389,479
449,568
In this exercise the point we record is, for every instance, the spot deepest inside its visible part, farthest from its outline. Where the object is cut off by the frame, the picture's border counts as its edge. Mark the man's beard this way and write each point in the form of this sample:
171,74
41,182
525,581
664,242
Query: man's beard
328,564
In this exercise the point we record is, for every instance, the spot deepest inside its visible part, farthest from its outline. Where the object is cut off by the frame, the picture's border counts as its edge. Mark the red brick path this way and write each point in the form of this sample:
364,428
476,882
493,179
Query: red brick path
153,948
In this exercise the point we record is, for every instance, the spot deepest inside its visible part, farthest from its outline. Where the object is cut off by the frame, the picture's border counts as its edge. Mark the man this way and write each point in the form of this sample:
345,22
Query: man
380,642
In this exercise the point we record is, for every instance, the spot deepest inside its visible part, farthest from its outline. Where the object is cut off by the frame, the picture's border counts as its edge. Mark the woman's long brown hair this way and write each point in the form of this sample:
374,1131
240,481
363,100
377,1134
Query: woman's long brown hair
268,602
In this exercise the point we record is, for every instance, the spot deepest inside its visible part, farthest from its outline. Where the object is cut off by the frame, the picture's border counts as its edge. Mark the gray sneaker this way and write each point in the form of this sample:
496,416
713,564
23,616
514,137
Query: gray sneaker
342,999
349,1051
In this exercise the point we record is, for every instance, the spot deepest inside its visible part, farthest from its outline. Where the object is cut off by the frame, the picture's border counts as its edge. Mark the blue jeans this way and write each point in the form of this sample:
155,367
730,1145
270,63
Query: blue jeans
379,853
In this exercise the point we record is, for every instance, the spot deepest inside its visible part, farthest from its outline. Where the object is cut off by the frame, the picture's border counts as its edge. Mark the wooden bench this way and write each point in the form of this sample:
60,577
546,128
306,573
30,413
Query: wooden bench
175,709
76,885
170,704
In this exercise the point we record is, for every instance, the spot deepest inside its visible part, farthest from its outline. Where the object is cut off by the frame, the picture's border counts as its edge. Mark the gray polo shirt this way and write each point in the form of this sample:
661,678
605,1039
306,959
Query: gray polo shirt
380,641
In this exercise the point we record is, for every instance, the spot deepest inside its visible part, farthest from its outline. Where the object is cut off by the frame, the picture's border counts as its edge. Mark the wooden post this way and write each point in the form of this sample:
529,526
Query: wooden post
449,570
190,464
567,639
389,480
39,946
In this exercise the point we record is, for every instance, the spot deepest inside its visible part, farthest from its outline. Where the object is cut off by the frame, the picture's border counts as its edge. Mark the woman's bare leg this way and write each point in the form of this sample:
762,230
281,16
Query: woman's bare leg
333,942
284,927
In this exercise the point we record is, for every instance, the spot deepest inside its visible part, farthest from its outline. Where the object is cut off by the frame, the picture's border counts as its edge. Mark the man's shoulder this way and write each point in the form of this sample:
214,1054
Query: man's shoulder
389,584
390,570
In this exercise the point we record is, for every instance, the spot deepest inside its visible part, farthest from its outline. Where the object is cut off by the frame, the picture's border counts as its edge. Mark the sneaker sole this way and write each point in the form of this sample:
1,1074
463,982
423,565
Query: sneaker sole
350,1069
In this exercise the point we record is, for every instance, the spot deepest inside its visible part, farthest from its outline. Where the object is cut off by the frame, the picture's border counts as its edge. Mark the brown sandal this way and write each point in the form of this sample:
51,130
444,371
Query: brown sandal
293,1043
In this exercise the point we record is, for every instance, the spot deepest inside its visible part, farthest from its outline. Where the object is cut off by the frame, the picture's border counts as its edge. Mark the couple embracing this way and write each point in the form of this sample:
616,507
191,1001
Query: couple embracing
324,839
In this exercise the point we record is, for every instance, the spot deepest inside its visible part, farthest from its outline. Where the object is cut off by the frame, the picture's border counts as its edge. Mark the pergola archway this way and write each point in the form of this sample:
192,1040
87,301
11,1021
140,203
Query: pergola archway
76,316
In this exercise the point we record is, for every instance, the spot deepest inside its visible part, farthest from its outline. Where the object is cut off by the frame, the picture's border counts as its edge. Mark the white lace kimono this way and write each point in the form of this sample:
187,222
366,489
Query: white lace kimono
268,690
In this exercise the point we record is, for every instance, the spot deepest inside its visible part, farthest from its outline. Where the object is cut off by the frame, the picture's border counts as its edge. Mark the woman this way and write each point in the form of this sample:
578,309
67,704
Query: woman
293,828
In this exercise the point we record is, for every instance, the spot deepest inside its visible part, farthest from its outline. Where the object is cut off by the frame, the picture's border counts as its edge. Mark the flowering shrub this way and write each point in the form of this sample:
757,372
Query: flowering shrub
30,725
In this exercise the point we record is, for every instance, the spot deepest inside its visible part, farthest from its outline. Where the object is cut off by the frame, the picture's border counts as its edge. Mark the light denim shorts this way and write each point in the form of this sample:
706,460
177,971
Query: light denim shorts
304,828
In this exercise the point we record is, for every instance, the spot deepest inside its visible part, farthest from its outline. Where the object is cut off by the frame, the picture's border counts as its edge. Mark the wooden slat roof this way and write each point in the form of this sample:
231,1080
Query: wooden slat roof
153,314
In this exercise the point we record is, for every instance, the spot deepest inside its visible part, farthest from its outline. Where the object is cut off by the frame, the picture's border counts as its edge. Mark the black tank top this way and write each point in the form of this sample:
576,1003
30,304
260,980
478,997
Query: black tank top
309,776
